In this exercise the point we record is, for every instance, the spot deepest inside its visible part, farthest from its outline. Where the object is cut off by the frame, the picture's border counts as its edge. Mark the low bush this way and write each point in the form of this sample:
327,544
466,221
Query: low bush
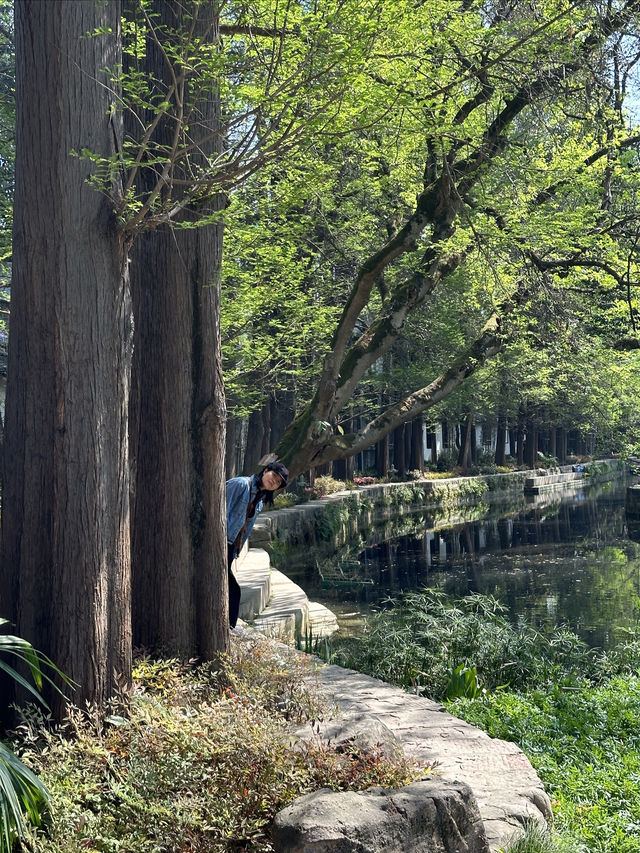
195,766
283,501
364,481
326,485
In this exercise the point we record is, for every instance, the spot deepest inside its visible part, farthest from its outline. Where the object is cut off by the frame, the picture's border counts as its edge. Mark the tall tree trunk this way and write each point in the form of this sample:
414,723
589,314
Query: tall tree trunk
501,440
432,444
561,443
382,457
465,443
520,435
178,421
531,444
417,446
266,420
399,459
282,413
255,438
65,577
513,441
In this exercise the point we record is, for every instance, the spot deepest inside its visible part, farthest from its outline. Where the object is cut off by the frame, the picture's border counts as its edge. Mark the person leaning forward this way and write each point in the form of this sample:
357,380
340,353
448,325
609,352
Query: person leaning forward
246,497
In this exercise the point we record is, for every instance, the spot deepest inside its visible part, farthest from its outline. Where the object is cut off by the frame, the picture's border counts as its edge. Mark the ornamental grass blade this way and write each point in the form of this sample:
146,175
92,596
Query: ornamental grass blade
24,651
20,792
23,682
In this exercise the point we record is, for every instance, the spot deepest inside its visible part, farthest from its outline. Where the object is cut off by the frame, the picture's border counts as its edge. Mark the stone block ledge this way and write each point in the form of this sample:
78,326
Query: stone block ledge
506,788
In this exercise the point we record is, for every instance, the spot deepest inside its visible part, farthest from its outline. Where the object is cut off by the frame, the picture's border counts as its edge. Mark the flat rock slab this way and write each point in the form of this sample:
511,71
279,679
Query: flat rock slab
507,789
429,816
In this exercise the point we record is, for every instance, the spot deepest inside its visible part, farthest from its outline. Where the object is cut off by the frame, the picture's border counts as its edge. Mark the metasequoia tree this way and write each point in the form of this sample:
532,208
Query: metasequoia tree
197,135
508,72
177,425
84,193
65,577
206,104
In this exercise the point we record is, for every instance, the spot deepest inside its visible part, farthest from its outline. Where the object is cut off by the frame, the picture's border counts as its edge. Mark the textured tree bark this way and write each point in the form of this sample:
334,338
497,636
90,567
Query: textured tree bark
178,417
464,453
531,444
520,435
382,457
65,579
432,445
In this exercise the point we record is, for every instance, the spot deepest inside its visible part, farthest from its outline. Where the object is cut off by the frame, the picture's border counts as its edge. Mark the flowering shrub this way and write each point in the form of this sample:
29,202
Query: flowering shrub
365,481
284,501
326,485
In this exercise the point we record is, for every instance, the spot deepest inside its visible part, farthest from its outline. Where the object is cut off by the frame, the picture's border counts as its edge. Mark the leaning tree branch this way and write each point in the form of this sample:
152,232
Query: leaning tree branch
330,447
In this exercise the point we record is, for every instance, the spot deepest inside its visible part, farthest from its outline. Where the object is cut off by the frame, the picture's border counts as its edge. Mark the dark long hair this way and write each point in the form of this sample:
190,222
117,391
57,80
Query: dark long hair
264,495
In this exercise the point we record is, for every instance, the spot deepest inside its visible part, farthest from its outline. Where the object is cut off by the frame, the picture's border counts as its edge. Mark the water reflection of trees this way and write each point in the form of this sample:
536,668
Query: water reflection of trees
569,562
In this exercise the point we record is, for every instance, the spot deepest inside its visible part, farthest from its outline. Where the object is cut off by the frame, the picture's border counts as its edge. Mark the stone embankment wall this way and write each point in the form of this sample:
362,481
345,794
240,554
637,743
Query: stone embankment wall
336,518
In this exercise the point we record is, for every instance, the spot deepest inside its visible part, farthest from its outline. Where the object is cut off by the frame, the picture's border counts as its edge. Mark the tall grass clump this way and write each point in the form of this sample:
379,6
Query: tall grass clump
424,642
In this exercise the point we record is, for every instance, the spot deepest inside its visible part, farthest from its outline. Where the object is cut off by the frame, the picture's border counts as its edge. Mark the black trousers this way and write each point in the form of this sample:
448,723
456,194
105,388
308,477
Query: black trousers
234,588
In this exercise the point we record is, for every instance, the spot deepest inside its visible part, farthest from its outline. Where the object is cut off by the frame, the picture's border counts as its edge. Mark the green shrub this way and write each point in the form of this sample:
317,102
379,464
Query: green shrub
585,745
196,766
283,501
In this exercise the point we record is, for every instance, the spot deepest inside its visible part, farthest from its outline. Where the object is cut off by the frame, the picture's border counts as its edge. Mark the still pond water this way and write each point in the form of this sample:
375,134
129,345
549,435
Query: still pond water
565,560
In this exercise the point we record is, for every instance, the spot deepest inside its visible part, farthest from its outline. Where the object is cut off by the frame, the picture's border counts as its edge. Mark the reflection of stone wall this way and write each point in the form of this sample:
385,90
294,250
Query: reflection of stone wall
632,508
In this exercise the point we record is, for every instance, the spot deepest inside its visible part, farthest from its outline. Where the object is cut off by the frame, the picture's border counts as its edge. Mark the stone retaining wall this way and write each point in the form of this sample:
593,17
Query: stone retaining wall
336,518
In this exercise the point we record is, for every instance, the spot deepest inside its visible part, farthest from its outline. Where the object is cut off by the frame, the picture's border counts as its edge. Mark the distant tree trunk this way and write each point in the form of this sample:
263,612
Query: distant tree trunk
399,460
446,441
417,445
531,445
282,413
255,438
520,435
513,441
408,432
501,440
473,448
382,457
465,443
266,420
65,575
178,421
561,444
343,468
432,444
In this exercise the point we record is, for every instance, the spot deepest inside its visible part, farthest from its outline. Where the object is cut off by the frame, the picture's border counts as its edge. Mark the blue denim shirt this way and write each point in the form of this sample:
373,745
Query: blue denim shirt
240,491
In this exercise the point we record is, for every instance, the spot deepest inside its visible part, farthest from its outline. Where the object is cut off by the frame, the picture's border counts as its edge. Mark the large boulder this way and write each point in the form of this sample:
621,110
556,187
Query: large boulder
429,816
